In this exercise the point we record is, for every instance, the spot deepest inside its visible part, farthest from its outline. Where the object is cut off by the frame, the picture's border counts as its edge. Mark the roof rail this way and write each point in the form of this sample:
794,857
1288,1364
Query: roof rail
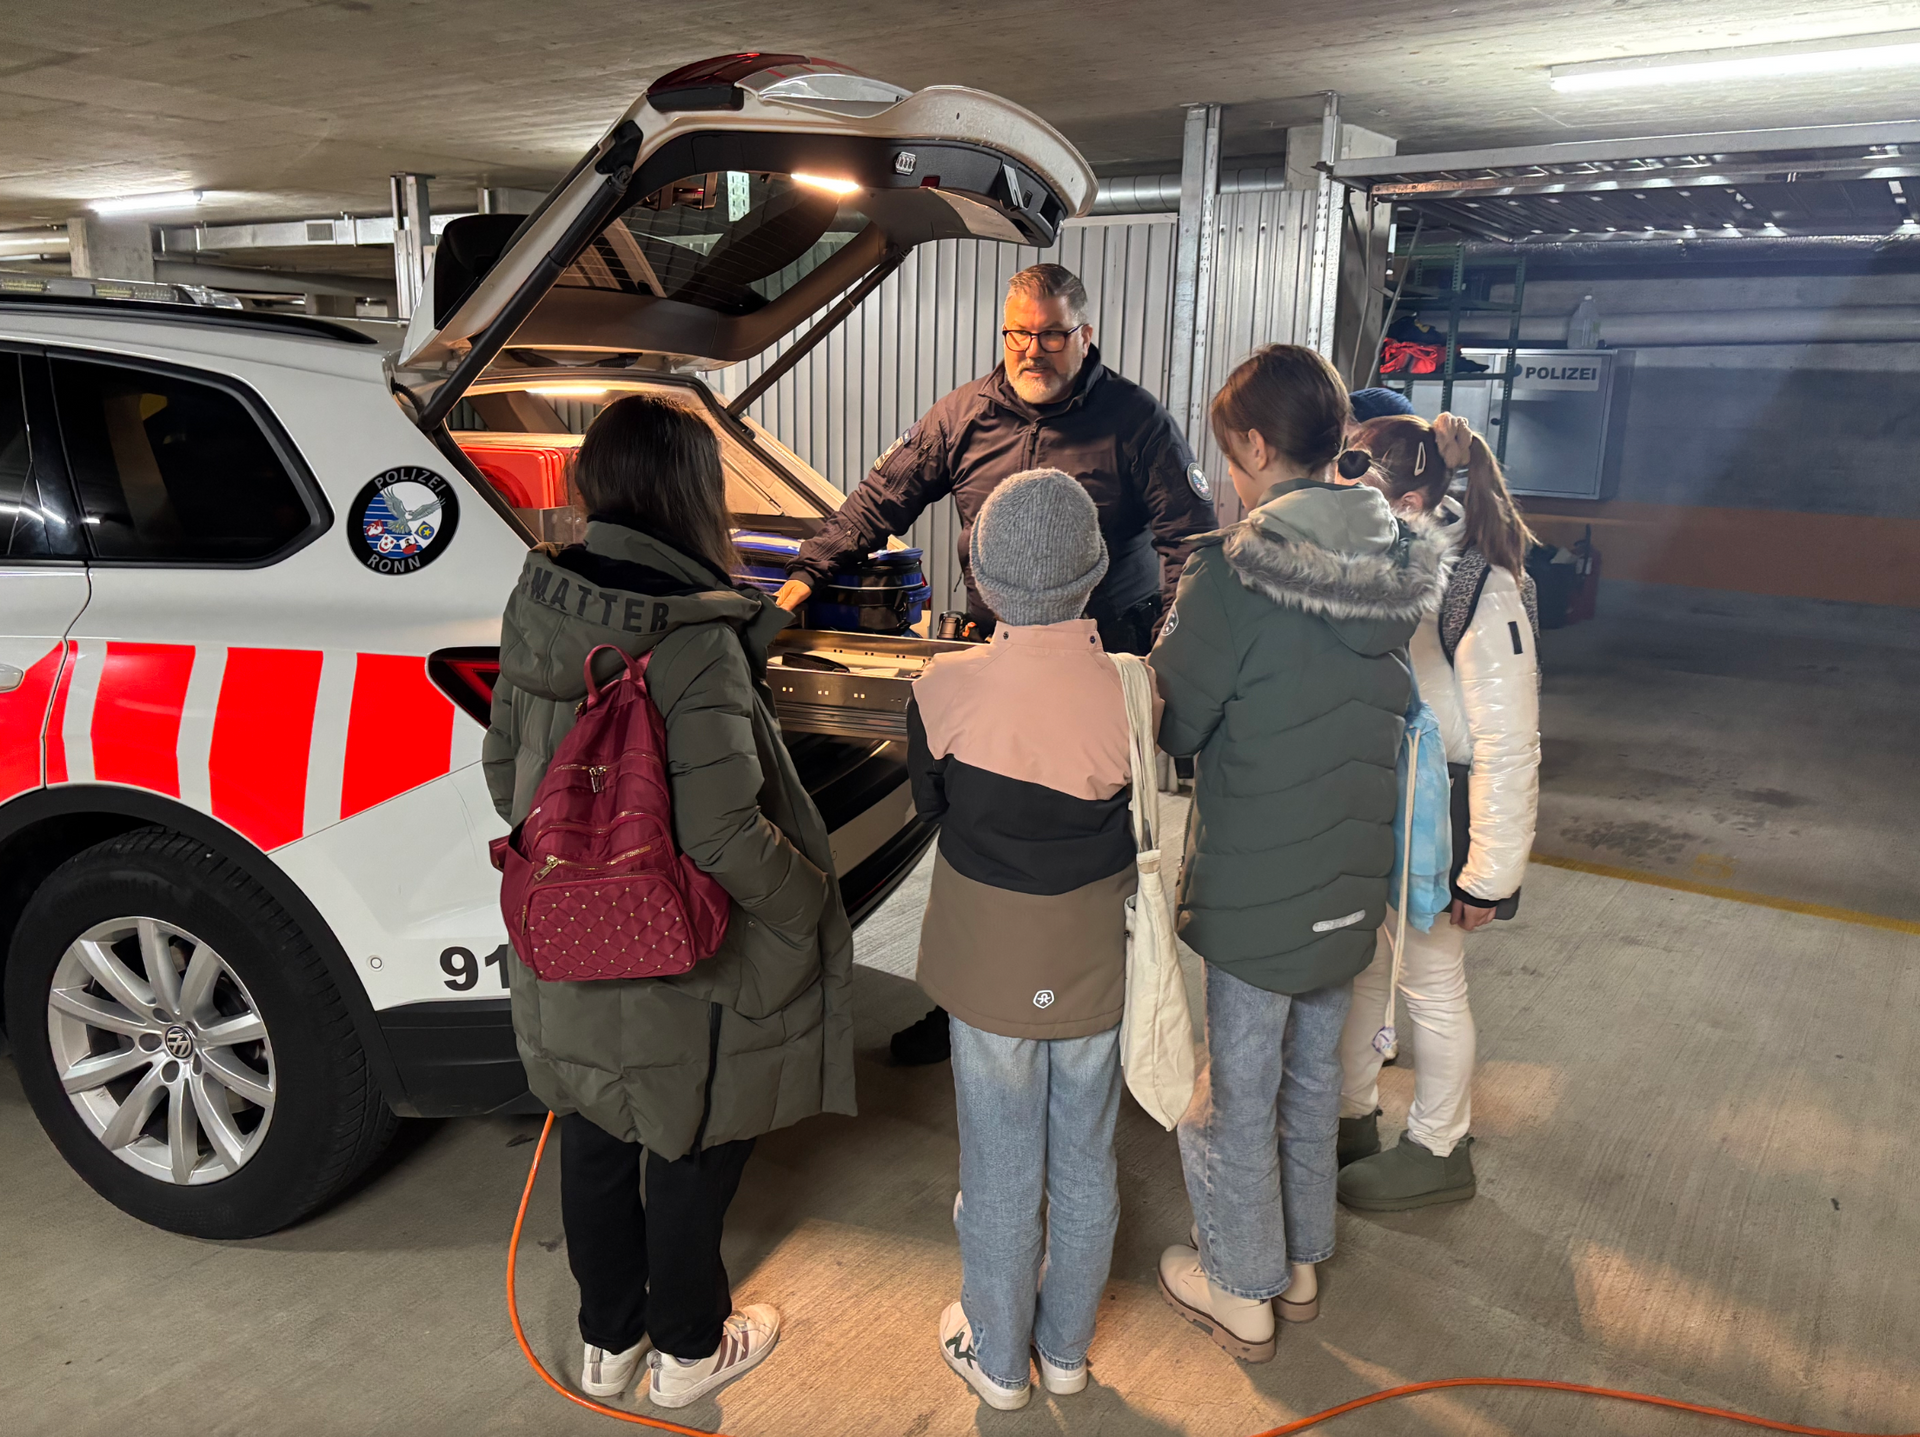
173,303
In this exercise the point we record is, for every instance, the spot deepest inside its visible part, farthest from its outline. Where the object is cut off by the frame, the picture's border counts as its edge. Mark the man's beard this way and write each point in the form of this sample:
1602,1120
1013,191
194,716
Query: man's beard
1040,386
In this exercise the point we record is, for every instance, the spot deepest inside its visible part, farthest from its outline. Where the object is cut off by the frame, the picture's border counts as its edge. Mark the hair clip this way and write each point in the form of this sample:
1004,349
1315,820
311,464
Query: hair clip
1419,460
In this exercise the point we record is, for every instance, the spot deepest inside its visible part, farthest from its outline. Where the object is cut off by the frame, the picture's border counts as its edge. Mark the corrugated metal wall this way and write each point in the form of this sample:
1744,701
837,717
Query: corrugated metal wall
1261,258
934,324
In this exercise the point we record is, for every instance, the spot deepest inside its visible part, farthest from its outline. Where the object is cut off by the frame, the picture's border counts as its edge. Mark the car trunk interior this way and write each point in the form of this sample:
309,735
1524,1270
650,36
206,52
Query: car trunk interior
841,696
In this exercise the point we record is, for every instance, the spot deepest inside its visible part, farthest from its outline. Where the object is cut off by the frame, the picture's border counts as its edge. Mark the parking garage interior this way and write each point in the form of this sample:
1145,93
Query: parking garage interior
1698,308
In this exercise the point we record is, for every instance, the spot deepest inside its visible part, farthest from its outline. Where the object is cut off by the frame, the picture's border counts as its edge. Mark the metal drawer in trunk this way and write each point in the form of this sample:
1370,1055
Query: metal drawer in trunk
848,685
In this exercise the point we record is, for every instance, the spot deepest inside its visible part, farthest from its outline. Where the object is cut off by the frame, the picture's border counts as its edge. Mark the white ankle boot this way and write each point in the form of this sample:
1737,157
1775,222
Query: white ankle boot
1243,1326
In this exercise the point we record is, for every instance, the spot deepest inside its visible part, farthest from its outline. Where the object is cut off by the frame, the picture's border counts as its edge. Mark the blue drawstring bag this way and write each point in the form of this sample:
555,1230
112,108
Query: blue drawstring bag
1422,867
1421,886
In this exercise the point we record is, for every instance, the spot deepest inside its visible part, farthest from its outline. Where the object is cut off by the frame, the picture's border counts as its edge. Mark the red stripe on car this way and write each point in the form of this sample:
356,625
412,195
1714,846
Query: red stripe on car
23,717
399,731
136,716
262,733
57,719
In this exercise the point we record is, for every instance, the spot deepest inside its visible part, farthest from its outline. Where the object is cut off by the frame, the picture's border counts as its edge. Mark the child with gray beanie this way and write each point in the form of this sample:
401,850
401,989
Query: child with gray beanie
1019,748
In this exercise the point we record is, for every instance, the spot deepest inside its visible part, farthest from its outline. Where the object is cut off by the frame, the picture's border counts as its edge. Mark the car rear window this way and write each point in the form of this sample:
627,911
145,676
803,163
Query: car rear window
173,468
729,241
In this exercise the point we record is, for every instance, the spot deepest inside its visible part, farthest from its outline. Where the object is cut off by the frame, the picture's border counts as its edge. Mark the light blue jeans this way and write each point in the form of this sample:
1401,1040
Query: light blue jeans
1258,1141
1036,1120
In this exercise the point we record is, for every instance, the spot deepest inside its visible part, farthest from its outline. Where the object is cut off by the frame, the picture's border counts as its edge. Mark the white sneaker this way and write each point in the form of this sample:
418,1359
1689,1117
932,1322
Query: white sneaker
956,1347
608,1374
1241,1325
745,1340
1060,1381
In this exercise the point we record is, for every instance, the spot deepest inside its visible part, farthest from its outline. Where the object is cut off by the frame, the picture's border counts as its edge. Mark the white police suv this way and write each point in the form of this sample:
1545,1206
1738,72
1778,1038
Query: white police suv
251,572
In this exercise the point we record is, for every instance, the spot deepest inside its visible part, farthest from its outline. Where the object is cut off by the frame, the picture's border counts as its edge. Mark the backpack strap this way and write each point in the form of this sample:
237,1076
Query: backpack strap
1462,599
636,670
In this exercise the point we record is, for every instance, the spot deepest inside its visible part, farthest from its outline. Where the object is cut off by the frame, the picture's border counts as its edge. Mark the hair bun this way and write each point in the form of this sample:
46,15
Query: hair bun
1354,463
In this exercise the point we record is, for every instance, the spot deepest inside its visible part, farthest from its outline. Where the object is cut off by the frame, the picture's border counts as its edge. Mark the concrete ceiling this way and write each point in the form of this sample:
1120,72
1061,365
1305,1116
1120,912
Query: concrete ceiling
283,108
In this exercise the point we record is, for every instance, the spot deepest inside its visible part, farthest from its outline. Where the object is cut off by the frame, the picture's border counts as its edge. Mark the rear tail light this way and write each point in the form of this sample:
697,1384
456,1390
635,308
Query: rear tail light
467,676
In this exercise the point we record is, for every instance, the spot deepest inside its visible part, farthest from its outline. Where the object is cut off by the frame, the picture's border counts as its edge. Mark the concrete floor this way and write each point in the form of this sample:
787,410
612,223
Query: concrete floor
1695,1180
1691,1119
1746,742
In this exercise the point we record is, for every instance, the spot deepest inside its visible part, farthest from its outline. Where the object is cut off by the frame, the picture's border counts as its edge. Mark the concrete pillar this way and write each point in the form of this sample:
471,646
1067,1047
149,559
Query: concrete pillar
412,241
336,306
99,249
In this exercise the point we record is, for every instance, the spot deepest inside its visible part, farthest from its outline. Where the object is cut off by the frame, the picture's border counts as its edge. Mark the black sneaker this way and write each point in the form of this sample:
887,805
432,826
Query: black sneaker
928,1041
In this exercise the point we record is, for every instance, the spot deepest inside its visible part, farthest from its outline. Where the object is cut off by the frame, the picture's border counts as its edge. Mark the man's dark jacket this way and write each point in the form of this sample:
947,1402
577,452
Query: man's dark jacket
1110,434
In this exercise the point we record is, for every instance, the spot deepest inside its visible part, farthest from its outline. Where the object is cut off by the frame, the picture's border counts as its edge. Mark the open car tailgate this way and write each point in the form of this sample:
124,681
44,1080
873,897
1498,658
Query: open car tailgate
714,219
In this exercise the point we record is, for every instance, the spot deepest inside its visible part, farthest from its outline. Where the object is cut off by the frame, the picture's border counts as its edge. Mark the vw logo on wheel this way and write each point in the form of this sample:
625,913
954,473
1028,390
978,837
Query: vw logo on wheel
179,1041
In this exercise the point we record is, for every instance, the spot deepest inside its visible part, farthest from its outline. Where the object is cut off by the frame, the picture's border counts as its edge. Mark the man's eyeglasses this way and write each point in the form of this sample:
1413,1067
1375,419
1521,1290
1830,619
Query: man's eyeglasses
1052,341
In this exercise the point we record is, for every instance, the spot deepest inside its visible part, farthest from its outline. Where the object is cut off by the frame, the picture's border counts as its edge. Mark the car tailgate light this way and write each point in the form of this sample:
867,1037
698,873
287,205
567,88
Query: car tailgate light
467,676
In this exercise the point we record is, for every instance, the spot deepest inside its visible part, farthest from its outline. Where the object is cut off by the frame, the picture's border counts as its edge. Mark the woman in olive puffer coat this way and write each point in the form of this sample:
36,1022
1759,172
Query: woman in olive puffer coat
689,1068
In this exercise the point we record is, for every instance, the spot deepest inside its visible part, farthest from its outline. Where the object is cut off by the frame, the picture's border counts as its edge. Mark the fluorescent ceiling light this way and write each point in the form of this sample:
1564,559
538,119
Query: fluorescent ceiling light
148,204
823,182
1886,51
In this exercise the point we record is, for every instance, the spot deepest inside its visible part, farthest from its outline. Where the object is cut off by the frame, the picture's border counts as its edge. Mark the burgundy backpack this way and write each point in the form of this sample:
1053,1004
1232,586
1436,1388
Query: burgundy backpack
594,886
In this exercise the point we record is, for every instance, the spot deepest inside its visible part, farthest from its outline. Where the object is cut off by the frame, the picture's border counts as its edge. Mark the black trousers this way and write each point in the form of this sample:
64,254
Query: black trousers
651,1268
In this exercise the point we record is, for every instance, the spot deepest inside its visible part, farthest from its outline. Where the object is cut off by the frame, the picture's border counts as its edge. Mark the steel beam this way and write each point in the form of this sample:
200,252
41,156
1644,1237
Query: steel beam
1885,135
1193,266
1323,273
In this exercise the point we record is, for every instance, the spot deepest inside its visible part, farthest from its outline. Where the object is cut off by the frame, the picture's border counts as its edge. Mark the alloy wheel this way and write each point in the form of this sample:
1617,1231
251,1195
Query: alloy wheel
161,1050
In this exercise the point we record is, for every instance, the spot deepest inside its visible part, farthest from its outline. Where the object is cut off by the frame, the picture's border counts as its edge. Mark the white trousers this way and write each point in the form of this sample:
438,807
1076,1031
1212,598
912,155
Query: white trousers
1433,976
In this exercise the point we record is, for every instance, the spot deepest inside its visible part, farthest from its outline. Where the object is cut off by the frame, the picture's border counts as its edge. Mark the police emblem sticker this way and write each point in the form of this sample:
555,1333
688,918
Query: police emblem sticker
1198,481
402,520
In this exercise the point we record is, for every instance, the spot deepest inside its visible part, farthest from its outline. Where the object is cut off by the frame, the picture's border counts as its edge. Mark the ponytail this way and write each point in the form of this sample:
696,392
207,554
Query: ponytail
1494,525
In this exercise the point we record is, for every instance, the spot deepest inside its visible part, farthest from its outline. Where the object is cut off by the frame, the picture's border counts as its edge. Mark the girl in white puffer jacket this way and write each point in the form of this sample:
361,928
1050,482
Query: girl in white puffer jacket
1477,668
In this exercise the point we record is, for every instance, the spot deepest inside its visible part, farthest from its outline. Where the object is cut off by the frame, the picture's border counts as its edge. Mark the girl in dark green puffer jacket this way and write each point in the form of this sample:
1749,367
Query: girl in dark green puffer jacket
682,1072
1283,668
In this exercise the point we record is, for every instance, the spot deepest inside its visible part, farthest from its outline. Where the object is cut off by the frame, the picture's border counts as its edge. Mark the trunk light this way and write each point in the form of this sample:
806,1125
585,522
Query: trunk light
827,183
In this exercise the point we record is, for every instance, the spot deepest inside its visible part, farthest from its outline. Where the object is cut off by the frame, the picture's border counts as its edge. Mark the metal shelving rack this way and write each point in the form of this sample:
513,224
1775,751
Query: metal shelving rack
1468,283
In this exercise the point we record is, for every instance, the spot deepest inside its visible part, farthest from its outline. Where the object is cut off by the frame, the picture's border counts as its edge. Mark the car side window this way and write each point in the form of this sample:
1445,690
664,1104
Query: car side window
24,520
172,468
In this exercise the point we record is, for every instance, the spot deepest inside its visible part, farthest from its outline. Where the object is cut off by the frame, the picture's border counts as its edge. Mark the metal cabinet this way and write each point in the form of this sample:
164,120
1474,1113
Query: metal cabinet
1557,420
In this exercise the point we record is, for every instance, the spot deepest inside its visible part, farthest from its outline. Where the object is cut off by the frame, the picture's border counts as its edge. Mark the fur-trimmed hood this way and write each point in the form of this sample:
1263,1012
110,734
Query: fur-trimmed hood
1339,552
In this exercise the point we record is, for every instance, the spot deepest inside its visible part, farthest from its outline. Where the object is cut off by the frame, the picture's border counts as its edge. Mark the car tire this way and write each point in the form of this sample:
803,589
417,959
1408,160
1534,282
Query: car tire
190,1114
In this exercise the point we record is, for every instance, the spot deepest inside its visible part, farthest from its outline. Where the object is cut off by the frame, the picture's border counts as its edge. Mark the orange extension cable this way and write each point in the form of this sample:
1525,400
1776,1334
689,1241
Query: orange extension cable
1301,1424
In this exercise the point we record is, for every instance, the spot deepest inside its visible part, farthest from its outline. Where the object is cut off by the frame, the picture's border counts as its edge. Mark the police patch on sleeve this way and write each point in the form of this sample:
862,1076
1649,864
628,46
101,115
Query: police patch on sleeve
894,448
402,520
1198,480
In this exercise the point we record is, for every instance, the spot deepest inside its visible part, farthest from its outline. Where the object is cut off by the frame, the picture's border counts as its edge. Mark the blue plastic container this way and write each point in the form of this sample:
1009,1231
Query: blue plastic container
884,592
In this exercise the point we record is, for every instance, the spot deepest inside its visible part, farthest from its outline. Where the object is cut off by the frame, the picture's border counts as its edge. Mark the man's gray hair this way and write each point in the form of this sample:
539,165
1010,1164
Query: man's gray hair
1052,281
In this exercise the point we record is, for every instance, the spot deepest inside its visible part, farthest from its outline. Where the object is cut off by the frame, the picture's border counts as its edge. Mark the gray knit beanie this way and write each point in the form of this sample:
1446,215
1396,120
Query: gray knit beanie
1036,549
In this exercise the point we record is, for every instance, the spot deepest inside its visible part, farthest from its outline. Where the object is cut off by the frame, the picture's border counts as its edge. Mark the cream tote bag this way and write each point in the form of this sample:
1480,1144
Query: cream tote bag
1156,1035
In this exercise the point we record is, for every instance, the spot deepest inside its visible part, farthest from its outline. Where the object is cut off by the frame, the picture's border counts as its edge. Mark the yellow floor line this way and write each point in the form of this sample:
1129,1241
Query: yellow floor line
1735,895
